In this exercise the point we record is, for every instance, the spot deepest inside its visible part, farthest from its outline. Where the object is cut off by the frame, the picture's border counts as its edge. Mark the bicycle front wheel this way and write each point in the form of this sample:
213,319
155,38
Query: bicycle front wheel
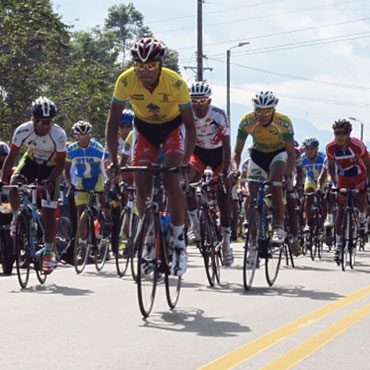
251,249
41,276
273,262
63,237
83,241
147,271
123,243
22,250
173,283
347,239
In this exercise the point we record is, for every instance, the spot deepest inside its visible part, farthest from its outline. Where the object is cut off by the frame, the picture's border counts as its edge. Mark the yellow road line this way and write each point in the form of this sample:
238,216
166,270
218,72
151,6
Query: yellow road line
313,344
257,346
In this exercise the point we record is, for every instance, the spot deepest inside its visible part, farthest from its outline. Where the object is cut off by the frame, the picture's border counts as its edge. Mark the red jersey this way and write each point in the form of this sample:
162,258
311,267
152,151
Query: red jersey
350,162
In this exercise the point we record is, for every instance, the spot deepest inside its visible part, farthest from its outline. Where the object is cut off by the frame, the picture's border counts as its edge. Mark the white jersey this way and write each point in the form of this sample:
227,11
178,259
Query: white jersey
41,149
212,128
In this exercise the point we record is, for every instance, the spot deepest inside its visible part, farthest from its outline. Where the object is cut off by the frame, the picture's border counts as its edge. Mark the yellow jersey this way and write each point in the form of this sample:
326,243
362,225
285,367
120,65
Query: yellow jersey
158,107
268,138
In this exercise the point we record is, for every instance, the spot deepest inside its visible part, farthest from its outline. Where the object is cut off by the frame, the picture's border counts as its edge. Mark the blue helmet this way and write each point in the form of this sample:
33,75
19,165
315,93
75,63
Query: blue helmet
127,117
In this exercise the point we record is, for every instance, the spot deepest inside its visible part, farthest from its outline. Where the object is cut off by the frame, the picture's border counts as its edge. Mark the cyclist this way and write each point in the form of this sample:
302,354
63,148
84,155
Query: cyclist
88,157
43,161
161,102
125,128
273,154
212,149
353,169
313,162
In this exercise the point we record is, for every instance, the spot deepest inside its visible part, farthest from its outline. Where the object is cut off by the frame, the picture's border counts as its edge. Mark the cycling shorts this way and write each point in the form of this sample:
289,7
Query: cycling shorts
148,138
261,163
89,183
201,158
31,171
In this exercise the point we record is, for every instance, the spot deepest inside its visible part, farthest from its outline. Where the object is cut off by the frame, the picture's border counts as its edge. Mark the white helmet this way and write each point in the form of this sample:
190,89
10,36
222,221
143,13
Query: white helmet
265,99
200,89
208,173
82,128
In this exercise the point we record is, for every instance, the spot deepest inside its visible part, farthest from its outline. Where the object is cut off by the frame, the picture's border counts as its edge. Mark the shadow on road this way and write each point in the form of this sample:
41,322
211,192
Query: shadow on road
55,289
194,320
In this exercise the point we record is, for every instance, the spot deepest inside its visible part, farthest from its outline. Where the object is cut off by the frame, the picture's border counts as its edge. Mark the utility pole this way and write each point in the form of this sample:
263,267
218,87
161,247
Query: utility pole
200,41
361,126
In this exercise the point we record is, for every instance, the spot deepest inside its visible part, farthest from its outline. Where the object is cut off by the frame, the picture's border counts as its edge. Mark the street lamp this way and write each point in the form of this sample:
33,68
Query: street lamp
228,76
362,126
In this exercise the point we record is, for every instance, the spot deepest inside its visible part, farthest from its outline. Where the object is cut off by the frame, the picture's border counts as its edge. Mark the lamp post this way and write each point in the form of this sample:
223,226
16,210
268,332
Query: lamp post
228,76
361,127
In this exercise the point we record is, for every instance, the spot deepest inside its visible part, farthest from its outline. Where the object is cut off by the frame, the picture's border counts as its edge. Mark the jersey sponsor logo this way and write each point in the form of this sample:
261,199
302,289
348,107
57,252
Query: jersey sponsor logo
165,97
82,160
23,130
153,107
246,122
177,84
284,123
124,82
137,97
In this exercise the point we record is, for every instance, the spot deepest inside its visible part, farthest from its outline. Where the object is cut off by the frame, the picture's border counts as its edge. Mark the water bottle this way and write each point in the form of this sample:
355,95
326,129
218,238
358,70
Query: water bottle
96,227
165,223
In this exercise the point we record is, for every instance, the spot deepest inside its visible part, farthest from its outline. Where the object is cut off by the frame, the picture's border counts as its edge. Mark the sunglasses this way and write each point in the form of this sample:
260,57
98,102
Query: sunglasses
201,101
340,133
265,111
151,66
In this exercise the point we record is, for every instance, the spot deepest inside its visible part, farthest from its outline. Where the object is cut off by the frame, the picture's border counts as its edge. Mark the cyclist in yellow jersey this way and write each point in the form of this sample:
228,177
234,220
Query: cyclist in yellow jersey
272,155
163,116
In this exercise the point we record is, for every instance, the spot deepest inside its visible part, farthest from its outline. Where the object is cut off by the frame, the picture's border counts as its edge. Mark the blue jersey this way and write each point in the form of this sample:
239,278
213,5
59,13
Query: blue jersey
88,161
313,170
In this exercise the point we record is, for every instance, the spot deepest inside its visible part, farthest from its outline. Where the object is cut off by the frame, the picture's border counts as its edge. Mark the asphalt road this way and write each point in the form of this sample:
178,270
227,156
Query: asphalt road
314,317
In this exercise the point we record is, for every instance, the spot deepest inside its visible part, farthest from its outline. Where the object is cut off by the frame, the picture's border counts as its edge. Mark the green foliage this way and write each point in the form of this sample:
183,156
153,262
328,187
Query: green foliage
39,55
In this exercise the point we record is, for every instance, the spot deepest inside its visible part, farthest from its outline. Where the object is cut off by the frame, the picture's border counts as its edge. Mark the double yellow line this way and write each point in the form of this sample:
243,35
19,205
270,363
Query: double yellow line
303,350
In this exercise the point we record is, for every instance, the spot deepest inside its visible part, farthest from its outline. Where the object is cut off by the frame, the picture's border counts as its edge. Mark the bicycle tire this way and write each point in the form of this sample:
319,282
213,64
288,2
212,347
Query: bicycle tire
63,237
206,246
83,241
134,248
22,250
172,283
123,243
41,276
353,245
251,249
147,282
345,235
272,265
215,250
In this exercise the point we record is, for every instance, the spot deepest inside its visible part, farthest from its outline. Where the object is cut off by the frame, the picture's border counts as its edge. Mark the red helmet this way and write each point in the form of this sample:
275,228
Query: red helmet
148,50
342,123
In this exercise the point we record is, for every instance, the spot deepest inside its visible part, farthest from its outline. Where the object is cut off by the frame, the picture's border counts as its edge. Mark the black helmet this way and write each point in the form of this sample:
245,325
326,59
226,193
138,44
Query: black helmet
42,107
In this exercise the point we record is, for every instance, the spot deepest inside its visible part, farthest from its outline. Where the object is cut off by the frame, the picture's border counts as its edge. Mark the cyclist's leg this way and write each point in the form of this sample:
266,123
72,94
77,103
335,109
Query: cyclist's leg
309,187
277,169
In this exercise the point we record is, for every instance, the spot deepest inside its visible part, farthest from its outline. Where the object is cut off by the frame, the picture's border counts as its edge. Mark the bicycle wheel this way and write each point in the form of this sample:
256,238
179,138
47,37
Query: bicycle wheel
147,271
215,250
134,247
102,243
123,243
251,249
172,283
83,241
41,276
206,243
63,237
273,262
22,250
352,247
347,239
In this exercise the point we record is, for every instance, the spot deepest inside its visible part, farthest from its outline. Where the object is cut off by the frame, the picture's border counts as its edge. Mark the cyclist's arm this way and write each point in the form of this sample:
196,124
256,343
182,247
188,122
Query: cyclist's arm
235,159
226,152
331,168
67,171
191,132
367,164
9,163
111,131
322,177
300,175
289,146
59,167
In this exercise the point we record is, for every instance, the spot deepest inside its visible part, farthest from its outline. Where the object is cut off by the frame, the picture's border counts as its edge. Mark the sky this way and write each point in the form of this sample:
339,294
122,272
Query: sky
315,56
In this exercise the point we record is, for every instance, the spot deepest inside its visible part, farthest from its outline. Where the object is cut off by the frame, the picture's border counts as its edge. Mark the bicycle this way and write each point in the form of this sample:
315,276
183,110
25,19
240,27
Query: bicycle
258,243
30,232
124,248
210,238
349,230
150,234
90,238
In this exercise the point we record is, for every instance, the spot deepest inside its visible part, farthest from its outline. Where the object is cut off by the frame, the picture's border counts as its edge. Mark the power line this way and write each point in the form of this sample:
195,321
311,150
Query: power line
250,18
300,44
297,77
306,98
282,33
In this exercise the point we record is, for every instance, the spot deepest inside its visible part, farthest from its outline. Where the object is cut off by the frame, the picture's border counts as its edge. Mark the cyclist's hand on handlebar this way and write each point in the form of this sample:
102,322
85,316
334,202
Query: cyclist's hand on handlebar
49,184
